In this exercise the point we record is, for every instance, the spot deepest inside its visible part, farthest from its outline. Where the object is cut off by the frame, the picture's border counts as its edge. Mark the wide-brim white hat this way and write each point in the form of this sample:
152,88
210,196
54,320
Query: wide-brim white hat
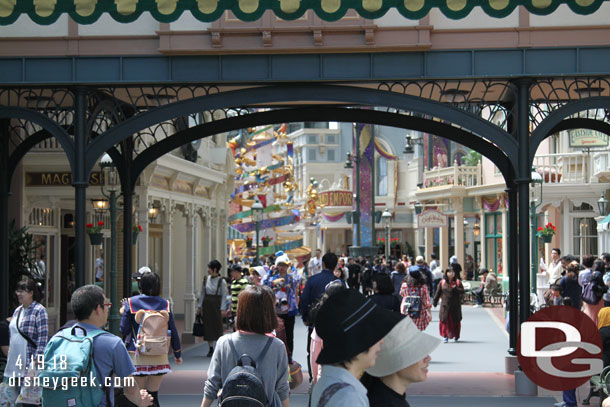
261,271
403,346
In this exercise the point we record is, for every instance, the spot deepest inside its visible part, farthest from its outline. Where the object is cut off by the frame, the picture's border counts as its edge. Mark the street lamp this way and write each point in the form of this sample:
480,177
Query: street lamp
386,218
603,205
257,214
153,212
110,181
535,203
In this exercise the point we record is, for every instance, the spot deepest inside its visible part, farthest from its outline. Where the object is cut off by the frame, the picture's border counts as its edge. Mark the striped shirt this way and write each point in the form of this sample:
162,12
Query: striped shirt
237,286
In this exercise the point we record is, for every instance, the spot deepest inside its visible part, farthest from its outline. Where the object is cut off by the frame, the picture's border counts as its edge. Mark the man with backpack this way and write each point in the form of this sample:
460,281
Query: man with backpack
82,344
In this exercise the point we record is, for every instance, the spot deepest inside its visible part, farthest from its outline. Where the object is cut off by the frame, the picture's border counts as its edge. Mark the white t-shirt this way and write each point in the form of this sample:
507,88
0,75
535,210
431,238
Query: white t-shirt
16,352
315,266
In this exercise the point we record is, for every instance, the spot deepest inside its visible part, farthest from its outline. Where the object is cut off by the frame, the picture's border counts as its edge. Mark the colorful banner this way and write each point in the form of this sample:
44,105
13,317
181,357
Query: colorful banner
333,217
336,198
248,213
295,244
367,150
269,223
247,187
491,204
382,151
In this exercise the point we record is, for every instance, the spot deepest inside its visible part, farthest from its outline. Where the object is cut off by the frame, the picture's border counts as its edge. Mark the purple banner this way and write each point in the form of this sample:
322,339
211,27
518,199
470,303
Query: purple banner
268,223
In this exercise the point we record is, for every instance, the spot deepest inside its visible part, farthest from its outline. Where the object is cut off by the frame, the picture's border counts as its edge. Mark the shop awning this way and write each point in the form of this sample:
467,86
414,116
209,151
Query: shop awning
605,220
89,11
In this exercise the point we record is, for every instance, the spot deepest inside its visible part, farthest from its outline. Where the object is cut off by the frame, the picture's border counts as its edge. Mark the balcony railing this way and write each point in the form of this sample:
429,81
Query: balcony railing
565,168
458,175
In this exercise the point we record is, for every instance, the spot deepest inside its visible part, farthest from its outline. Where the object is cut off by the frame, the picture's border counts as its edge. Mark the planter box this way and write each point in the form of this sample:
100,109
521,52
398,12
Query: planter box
96,238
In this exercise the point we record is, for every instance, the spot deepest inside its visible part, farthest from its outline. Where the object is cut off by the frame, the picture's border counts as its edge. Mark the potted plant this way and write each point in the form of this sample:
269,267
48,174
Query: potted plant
248,242
266,240
547,232
134,233
95,232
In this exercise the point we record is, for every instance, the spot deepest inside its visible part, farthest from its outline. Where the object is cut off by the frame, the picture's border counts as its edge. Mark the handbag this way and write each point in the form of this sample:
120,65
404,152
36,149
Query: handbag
30,394
198,326
296,375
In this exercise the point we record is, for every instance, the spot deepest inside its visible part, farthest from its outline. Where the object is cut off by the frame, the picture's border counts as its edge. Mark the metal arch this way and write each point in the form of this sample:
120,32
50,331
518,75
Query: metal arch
547,126
582,123
316,93
488,149
54,129
23,149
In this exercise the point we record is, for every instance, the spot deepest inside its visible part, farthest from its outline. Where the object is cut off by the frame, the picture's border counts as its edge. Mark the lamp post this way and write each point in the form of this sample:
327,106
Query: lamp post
535,203
386,218
110,181
257,214
603,205
356,215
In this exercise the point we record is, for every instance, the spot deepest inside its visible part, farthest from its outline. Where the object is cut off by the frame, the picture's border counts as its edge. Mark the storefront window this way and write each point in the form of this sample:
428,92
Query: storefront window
45,266
585,236
382,176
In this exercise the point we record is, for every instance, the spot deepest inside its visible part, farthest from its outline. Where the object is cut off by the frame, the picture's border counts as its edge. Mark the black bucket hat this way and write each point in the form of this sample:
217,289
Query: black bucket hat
349,324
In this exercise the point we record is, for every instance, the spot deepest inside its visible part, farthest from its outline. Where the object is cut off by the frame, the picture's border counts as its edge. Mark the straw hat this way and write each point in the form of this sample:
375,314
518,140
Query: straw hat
402,347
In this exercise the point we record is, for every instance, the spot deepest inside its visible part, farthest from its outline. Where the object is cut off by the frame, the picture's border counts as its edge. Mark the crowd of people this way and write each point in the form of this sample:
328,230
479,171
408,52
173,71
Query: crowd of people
365,321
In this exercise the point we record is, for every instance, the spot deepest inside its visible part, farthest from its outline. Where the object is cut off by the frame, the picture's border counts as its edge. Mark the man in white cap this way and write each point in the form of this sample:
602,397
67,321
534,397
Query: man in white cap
404,359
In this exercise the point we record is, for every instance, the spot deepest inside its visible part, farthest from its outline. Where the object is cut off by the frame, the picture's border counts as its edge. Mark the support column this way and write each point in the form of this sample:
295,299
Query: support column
192,242
143,237
168,220
444,247
523,185
221,250
458,230
513,267
429,242
4,223
482,232
214,235
127,187
80,182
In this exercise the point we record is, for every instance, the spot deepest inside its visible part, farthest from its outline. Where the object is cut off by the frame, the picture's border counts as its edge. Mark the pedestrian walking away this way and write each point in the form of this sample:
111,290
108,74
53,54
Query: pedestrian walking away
256,319
416,300
149,314
211,303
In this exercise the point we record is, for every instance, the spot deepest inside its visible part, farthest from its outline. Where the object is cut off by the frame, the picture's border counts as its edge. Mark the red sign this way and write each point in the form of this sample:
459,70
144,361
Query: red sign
559,348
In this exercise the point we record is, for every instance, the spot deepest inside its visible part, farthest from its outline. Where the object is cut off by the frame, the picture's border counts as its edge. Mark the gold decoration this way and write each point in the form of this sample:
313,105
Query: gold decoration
44,8
499,4
331,6
85,7
7,7
456,5
126,6
372,5
365,139
541,3
207,6
414,5
166,7
289,6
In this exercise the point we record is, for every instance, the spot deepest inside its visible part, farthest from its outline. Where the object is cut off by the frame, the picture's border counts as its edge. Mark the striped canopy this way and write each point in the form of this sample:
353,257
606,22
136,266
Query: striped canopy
88,11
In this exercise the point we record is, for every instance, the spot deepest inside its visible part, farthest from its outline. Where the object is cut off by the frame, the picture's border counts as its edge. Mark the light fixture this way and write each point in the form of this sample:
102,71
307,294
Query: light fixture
408,145
100,205
153,212
110,174
536,181
257,210
465,222
603,205
386,217
477,227
348,162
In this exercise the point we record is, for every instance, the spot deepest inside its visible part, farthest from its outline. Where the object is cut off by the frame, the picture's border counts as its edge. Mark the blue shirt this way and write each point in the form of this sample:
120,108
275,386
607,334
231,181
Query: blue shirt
314,289
285,289
110,357
352,395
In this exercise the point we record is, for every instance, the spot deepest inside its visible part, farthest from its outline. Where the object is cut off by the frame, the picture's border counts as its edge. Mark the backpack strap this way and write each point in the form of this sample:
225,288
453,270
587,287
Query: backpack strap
234,351
329,392
265,349
260,356
27,338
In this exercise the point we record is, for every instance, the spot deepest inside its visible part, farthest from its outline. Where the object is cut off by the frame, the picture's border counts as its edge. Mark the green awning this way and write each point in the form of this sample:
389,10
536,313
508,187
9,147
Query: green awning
605,220
88,11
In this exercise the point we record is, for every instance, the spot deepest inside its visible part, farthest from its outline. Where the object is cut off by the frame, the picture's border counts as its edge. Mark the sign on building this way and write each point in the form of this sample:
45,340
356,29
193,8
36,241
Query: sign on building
431,218
585,138
335,198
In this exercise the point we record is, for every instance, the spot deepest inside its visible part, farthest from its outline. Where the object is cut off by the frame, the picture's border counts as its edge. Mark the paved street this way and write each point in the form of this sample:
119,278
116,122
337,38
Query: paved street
467,373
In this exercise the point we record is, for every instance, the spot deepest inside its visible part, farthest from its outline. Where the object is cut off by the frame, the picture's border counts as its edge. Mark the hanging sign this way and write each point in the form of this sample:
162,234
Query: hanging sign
584,138
432,218
335,198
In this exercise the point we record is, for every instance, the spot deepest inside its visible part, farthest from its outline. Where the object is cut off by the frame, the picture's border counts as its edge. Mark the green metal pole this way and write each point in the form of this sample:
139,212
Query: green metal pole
358,224
256,261
387,243
114,317
534,227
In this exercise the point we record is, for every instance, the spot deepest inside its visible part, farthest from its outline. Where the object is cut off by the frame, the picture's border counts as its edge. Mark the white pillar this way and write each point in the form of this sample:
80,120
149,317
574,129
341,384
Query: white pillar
213,237
143,237
458,230
168,219
190,275
429,242
444,247
505,241
483,246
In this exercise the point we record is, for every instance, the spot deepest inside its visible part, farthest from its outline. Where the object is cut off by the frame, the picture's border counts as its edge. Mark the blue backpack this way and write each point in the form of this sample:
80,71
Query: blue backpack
66,356
244,386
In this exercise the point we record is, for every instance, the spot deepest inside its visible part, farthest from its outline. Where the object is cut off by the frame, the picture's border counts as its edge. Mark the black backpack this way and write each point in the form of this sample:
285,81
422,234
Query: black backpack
244,386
